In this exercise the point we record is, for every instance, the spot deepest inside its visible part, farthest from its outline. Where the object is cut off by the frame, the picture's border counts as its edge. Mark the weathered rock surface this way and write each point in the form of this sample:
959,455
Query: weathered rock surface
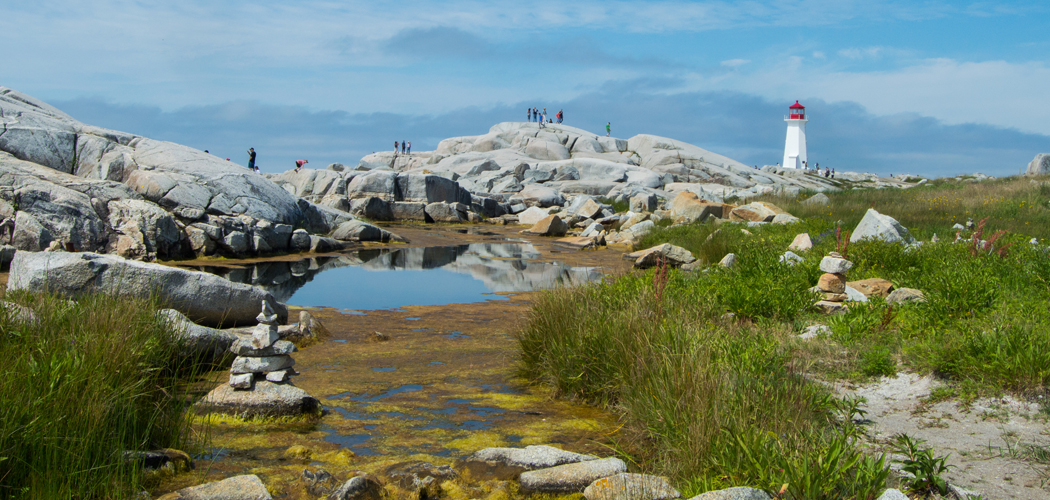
738,493
551,225
876,226
835,265
358,488
872,286
570,478
101,190
204,298
265,399
1040,165
247,487
631,487
199,341
530,457
801,243
671,255
905,295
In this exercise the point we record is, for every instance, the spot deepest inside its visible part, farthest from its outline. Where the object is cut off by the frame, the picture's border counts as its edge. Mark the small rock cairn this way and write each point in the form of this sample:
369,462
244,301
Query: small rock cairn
263,355
832,284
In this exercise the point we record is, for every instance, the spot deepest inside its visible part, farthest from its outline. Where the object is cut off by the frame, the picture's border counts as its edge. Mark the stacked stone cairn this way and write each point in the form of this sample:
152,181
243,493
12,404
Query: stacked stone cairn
263,355
832,284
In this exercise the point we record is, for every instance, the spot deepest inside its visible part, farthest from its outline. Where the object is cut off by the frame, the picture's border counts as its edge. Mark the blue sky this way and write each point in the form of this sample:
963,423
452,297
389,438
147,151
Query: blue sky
931,87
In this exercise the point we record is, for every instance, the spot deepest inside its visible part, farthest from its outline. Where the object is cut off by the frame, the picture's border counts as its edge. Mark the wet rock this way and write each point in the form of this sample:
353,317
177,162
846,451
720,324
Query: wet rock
905,295
570,478
300,240
174,460
509,463
247,487
310,327
358,488
674,256
872,286
876,226
318,483
422,478
265,399
631,487
552,225
738,493
204,298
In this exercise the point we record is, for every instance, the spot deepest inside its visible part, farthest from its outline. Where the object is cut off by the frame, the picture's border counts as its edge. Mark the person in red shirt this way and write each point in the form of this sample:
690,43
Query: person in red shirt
299,164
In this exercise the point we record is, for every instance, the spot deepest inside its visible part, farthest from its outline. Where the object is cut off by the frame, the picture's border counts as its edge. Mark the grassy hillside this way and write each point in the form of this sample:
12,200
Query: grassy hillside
716,399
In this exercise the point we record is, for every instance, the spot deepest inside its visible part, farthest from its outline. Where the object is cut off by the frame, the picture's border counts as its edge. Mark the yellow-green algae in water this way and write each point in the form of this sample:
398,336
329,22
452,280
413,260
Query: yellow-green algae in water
461,397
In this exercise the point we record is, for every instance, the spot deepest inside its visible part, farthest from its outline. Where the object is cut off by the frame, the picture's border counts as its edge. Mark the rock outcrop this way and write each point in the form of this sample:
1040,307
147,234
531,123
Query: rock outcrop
1040,165
98,190
202,297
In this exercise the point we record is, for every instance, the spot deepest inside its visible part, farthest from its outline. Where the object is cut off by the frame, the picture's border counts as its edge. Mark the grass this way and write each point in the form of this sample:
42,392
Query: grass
718,400
80,386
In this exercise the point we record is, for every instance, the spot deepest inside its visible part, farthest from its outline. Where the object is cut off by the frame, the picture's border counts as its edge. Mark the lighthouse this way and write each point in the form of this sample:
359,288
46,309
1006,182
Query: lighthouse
795,144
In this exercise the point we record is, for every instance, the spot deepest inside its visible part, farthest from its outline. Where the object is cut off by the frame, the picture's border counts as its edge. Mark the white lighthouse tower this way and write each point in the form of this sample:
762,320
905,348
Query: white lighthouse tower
795,145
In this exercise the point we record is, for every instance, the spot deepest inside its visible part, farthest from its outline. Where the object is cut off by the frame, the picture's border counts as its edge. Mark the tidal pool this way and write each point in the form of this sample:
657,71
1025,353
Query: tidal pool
388,278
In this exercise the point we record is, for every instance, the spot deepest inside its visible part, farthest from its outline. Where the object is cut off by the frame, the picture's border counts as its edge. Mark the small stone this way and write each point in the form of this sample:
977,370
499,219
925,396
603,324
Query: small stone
835,297
358,488
241,381
791,258
264,336
278,377
828,307
728,261
814,331
318,483
893,494
244,347
261,365
801,243
832,283
835,265
551,225
738,493
905,295
378,337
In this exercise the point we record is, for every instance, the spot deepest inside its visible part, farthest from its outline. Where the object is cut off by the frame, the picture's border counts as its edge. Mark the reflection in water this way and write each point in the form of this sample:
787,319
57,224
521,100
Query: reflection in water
421,276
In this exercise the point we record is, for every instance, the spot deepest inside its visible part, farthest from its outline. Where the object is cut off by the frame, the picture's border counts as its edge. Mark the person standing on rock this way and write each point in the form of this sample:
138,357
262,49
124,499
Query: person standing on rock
397,146
608,129
528,115
251,159
409,147
561,115
299,164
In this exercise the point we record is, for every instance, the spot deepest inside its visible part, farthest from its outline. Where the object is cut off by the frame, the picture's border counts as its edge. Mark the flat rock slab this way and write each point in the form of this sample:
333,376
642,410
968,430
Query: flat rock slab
204,298
571,478
631,487
248,487
738,493
578,242
872,286
261,365
530,457
266,399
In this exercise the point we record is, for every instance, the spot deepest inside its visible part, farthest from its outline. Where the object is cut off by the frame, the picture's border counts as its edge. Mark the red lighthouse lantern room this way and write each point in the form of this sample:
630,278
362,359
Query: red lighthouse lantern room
798,111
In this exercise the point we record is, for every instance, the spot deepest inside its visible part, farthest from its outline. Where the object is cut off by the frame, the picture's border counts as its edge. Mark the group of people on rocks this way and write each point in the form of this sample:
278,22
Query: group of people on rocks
534,115
406,147
252,167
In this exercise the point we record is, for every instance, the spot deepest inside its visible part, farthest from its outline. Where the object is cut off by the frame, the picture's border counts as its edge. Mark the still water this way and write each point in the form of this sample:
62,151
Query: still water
390,278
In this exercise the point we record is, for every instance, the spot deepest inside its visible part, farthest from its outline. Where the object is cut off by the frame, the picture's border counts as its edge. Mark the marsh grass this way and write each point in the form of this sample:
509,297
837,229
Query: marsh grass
79,386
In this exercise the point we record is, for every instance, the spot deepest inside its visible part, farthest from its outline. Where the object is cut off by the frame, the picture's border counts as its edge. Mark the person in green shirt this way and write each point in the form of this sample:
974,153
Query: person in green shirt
608,129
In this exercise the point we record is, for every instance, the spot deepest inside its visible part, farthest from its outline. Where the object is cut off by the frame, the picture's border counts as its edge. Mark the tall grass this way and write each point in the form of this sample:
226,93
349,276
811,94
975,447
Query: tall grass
81,385
699,391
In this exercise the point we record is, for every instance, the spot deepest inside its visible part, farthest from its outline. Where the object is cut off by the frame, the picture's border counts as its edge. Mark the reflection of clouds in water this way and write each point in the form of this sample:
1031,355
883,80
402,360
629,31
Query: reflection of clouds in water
501,267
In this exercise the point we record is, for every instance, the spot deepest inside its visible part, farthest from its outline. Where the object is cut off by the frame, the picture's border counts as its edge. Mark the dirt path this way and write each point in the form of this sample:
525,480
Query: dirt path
987,440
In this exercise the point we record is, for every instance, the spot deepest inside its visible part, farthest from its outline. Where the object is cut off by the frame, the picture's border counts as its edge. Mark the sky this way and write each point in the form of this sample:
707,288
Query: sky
937,88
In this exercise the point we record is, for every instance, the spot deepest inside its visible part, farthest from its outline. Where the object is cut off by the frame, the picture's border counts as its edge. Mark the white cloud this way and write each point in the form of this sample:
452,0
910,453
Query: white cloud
734,63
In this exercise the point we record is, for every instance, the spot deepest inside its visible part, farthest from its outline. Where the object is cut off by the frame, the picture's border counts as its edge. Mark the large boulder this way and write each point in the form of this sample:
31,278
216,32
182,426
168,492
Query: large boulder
535,195
571,478
1040,165
876,226
551,225
265,399
426,188
202,297
689,208
671,255
198,341
631,487
381,184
